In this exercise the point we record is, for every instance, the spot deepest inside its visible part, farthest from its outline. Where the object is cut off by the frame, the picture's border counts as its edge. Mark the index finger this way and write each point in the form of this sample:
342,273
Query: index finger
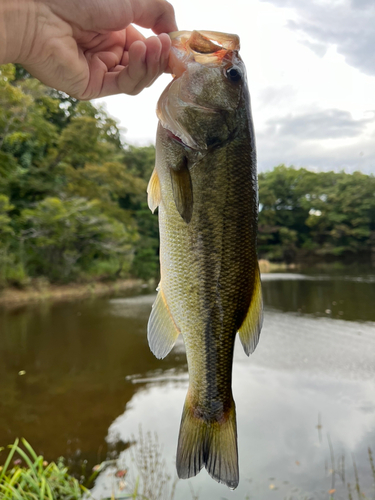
155,14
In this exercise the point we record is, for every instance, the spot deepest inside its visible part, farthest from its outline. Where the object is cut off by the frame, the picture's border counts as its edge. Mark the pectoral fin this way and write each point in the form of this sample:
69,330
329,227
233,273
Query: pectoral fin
162,331
250,329
154,192
182,189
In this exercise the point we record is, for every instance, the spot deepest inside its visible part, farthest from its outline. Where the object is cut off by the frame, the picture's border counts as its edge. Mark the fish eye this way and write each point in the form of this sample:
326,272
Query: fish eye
233,74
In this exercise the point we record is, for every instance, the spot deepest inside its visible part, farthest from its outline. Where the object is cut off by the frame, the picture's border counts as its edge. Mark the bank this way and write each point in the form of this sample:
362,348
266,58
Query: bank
42,291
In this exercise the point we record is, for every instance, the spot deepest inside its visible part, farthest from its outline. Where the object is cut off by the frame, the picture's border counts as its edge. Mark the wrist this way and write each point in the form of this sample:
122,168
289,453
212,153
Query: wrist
15,17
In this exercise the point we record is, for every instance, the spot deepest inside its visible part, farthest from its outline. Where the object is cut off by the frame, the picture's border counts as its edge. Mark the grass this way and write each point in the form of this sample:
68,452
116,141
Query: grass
36,479
28,476
146,457
339,470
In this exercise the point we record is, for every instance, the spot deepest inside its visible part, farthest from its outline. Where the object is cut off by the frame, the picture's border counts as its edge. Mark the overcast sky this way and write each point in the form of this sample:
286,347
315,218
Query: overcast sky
311,72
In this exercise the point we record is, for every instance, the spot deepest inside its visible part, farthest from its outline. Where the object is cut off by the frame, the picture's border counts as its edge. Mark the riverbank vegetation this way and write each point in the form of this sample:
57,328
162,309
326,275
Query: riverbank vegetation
72,195
73,205
26,475
316,215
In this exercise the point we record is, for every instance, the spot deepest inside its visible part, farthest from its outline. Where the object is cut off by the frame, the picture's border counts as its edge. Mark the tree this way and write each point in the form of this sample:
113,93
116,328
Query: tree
321,214
65,238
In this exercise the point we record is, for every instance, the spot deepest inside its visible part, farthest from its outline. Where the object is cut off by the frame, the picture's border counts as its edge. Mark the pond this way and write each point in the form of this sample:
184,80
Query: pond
78,380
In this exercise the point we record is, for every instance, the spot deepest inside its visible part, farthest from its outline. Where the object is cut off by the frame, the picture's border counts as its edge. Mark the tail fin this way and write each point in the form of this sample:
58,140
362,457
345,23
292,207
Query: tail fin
209,443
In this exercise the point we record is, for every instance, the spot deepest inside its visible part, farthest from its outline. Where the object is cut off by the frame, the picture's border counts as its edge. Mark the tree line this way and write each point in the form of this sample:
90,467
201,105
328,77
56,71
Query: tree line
316,215
73,196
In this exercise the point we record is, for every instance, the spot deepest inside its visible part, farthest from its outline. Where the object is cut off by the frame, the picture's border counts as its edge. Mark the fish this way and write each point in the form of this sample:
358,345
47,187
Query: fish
205,187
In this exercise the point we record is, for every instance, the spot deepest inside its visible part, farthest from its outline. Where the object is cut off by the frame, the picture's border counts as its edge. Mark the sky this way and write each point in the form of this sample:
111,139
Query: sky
311,75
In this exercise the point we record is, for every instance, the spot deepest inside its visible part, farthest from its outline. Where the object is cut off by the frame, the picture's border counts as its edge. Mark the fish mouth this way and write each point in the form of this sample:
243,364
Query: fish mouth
205,42
205,47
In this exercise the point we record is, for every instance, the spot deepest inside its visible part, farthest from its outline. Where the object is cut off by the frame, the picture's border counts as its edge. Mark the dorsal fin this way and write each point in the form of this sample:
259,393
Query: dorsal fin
250,329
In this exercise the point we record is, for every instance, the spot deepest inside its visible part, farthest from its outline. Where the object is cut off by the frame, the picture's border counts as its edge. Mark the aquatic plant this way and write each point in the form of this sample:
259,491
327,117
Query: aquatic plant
151,482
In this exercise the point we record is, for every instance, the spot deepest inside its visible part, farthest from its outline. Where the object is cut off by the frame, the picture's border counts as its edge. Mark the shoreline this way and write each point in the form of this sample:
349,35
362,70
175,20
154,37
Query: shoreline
11,298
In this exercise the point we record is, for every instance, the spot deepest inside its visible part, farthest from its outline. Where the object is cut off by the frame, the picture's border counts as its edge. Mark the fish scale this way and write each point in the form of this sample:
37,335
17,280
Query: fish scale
205,186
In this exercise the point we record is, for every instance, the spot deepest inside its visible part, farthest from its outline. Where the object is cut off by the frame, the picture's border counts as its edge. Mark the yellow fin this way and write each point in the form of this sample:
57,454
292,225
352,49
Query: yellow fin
154,192
162,331
250,329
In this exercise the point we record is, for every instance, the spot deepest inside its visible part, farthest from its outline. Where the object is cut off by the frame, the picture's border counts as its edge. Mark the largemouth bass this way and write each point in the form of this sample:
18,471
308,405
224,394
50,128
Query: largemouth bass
205,186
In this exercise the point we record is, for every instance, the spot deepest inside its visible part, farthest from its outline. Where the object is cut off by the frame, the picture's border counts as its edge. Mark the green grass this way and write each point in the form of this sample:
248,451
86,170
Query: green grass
27,476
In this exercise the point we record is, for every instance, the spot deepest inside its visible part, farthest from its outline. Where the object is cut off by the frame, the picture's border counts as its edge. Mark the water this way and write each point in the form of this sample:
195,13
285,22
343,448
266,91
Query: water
91,380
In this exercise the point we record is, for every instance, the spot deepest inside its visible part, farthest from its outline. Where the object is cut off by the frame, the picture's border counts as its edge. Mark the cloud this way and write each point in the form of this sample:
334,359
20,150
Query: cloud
349,25
322,140
325,124
275,95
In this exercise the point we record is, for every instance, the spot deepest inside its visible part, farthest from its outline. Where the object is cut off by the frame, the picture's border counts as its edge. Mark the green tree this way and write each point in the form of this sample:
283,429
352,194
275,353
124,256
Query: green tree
323,214
64,239
6,234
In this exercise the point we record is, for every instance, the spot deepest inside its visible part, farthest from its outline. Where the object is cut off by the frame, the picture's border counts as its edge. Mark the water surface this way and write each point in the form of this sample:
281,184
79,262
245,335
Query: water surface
91,380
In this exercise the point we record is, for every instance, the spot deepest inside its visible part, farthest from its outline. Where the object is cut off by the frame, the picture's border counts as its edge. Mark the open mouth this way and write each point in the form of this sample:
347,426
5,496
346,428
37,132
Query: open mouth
205,42
202,46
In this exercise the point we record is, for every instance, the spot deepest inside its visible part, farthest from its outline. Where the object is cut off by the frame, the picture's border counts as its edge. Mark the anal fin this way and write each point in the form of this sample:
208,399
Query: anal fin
250,329
162,331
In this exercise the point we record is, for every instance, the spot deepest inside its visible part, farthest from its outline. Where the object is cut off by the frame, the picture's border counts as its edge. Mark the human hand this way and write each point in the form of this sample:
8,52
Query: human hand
88,48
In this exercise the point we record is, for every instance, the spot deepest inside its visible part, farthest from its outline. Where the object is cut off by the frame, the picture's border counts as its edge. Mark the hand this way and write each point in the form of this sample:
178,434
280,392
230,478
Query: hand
88,48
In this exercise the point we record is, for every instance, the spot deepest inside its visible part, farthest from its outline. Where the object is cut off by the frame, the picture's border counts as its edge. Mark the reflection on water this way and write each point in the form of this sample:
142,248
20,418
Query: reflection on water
347,297
90,381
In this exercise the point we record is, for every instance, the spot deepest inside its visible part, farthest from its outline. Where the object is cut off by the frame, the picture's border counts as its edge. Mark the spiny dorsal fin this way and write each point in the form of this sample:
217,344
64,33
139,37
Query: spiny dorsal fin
182,189
250,329
154,192
162,331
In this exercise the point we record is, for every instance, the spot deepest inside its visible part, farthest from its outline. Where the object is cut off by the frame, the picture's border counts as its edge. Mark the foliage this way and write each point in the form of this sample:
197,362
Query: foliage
27,476
70,189
36,480
73,196
141,162
323,214
64,238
